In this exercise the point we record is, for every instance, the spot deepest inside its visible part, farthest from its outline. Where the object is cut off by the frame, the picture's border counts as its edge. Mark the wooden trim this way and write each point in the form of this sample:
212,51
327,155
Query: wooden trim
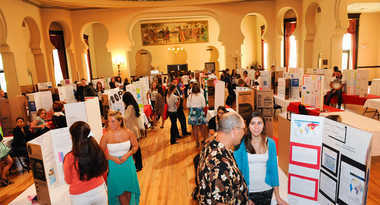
371,66
53,32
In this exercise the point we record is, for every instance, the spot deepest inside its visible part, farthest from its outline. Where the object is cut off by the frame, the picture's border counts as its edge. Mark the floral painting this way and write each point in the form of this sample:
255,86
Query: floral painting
174,33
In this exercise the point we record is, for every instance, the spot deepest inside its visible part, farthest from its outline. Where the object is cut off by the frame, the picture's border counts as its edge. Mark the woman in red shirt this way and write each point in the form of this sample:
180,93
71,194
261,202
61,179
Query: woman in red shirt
84,167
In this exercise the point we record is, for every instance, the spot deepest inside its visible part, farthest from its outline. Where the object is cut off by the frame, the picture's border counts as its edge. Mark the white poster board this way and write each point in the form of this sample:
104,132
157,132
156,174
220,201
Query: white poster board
40,100
312,90
329,162
66,93
88,111
44,86
265,80
219,93
115,99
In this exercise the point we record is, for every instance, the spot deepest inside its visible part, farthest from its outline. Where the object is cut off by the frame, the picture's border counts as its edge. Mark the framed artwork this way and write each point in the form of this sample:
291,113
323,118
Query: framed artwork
174,33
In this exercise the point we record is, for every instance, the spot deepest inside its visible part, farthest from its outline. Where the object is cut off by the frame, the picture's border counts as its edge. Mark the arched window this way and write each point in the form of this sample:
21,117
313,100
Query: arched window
346,49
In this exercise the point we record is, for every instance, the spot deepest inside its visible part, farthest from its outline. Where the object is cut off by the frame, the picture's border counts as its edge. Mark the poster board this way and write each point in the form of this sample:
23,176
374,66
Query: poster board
115,100
39,100
312,90
244,98
44,86
87,111
328,163
219,93
66,93
265,80
46,158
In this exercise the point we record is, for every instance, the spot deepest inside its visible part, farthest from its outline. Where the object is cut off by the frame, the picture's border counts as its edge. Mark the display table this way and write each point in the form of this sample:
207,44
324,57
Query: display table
375,87
283,103
354,99
293,108
363,123
372,104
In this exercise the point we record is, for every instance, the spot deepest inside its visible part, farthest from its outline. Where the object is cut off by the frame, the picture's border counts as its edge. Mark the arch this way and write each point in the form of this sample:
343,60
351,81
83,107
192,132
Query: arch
96,47
280,18
311,29
35,35
252,45
66,32
3,29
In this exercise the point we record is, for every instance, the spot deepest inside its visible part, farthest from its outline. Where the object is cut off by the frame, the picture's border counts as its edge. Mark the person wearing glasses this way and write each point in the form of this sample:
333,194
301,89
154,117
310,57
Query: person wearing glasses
257,161
220,180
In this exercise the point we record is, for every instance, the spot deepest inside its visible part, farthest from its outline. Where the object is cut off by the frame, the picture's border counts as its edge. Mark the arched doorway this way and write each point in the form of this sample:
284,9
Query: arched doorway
97,58
59,55
143,62
37,71
289,42
253,54
312,22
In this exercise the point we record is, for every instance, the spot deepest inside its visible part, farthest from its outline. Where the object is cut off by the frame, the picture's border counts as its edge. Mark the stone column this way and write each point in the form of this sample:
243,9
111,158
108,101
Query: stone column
40,65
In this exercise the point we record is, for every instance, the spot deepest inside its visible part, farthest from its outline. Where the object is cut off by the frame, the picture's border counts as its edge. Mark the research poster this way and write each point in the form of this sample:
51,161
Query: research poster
219,93
312,90
345,163
329,162
66,93
115,99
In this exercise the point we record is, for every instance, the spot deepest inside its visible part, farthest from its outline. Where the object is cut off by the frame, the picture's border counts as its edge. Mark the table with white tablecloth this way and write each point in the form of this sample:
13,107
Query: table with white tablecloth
283,103
59,196
363,123
375,87
372,104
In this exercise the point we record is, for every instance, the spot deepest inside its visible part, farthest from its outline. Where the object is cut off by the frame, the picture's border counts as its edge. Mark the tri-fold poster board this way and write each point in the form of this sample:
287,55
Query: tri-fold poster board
312,90
329,162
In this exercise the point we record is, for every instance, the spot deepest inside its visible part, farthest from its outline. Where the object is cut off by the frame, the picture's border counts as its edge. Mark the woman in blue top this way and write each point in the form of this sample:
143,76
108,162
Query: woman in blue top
257,160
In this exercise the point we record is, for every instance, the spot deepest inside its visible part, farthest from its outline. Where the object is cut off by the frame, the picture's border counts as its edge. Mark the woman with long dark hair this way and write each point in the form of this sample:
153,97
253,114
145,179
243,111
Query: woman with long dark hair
131,121
85,181
257,160
121,143
132,113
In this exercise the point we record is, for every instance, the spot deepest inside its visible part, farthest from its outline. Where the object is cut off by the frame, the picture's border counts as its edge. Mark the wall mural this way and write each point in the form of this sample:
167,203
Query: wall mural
174,33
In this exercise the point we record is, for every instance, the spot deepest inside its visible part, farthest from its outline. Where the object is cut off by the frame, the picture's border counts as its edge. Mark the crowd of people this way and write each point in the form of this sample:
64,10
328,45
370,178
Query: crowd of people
237,163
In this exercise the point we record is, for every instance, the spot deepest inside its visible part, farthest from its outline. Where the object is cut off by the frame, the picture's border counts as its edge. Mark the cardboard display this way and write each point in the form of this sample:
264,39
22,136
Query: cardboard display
219,93
265,80
115,100
66,93
46,155
87,111
264,98
39,100
312,90
44,86
329,162
244,99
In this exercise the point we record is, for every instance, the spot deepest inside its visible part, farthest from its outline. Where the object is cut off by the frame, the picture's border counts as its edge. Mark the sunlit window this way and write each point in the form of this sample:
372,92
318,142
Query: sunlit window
293,52
282,53
57,67
3,83
347,51
265,55
87,67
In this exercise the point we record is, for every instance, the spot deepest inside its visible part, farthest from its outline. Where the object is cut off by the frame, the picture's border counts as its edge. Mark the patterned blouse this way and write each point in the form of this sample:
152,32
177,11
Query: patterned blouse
220,180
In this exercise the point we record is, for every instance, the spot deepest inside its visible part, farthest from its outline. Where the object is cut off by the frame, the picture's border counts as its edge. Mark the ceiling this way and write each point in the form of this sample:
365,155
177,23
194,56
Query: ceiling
91,4
364,7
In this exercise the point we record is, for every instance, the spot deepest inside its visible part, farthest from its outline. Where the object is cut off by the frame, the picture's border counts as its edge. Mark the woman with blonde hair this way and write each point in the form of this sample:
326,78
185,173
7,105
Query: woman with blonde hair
121,143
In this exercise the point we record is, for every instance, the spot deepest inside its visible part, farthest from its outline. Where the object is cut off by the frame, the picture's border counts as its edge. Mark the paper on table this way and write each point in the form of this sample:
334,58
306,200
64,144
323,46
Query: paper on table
305,155
302,186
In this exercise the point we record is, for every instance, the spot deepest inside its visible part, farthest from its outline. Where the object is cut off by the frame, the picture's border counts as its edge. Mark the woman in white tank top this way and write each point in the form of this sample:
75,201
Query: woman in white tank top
256,158
120,144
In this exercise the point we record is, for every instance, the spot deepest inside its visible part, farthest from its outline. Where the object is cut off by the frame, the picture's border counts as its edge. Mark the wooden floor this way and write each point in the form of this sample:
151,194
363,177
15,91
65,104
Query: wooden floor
168,173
